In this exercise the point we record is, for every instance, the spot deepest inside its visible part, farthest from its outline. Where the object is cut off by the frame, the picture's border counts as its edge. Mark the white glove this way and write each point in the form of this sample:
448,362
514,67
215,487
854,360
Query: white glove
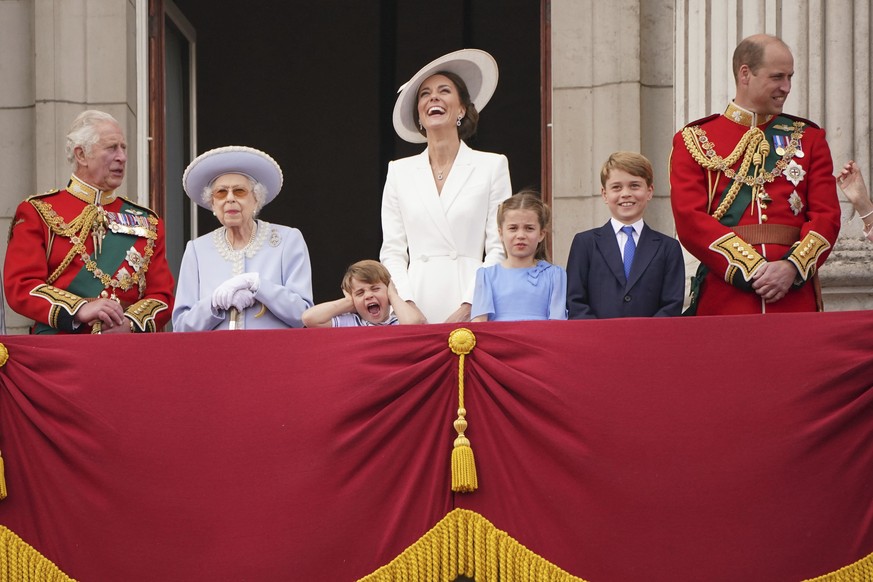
222,297
242,299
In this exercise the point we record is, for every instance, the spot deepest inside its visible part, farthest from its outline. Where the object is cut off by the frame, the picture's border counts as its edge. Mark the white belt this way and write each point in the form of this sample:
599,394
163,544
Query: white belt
451,256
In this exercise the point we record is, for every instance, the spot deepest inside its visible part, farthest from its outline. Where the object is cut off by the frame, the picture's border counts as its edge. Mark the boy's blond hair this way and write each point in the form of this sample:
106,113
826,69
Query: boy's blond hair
631,162
368,271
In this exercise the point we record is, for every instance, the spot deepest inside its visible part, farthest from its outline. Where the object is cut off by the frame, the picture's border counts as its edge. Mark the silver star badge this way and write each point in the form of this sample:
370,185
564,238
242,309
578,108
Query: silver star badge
134,258
794,173
795,202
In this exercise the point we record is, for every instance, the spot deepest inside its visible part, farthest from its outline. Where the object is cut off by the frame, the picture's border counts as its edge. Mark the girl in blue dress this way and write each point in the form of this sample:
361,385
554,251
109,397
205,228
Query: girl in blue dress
525,286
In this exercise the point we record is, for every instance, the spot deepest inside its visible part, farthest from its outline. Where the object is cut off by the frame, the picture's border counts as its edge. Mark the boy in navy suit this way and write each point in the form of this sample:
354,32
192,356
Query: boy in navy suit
624,268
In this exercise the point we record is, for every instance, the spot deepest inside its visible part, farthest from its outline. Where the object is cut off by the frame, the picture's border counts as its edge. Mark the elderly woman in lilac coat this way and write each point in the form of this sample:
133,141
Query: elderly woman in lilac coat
247,274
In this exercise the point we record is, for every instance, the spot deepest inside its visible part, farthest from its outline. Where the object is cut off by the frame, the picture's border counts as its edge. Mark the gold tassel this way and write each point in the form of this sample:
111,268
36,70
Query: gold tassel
464,480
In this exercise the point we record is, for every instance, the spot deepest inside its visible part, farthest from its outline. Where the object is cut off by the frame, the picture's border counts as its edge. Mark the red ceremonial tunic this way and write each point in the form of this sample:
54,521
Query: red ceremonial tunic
799,191
51,267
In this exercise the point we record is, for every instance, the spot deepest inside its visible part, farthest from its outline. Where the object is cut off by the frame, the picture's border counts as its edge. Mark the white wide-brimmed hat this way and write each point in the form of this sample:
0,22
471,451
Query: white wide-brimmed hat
477,68
208,166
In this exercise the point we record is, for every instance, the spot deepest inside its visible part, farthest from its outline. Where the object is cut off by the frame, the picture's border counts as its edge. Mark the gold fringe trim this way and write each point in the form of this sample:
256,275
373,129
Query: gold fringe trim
860,571
464,543
464,480
20,562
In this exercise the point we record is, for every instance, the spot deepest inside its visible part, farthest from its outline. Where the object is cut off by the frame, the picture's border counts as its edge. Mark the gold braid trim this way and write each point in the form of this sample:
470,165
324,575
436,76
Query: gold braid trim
59,298
754,149
20,562
143,312
741,256
804,255
77,231
464,543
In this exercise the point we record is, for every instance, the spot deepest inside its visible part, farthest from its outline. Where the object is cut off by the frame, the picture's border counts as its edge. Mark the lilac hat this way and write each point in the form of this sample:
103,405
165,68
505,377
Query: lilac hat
253,163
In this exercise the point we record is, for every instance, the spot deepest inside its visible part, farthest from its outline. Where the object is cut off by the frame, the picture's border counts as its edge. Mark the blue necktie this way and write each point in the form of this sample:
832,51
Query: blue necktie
630,248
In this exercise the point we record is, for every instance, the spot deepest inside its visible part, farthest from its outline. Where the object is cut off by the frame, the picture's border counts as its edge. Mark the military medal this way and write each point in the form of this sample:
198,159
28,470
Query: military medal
795,202
134,258
780,144
794,173
798,151
129,222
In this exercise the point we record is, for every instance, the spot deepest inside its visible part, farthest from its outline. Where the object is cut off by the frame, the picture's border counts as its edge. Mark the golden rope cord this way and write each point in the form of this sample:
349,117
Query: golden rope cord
753,146
81,223
86,219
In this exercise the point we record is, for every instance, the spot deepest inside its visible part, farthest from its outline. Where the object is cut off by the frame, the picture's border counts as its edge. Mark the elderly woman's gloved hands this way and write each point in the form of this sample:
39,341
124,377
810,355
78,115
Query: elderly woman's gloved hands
237,292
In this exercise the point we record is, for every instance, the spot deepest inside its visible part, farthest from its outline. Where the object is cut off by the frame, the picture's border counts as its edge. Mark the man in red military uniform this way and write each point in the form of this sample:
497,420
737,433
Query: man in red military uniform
753,194
83,259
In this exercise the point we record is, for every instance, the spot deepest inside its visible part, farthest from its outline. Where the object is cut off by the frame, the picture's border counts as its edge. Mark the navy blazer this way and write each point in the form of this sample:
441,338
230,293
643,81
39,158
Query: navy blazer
596,284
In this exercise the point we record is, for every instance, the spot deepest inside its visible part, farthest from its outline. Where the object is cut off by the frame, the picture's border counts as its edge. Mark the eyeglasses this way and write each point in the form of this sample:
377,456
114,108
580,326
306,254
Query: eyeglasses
237,191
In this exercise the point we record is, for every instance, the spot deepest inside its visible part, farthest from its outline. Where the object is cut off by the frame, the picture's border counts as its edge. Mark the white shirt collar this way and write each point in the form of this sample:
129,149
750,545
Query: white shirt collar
638,226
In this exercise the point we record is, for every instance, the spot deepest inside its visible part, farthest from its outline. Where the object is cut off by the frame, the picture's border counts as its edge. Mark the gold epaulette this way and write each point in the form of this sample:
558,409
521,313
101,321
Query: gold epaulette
47,193
805,253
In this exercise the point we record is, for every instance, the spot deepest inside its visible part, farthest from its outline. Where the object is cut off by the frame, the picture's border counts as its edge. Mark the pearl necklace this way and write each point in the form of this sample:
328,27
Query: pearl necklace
235,256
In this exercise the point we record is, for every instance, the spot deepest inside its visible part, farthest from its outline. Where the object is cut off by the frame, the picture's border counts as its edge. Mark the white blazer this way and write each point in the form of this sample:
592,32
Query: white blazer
433,243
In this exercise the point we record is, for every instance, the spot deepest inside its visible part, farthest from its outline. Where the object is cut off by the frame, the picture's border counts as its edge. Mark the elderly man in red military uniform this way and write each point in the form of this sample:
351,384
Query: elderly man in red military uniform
753,194
84,259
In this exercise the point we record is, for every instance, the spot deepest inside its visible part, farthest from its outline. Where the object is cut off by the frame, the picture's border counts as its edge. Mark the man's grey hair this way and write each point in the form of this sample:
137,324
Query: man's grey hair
83,133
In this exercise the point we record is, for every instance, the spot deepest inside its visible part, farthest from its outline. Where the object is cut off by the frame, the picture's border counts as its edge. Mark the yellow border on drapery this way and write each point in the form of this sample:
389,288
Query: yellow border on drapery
465,543
860,571
20,562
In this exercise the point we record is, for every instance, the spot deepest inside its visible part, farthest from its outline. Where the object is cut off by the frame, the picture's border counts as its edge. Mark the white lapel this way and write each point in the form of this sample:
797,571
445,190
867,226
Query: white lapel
457,178
426,192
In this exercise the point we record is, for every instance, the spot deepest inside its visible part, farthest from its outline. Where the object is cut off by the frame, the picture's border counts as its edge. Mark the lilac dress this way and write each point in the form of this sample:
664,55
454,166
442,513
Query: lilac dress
538,292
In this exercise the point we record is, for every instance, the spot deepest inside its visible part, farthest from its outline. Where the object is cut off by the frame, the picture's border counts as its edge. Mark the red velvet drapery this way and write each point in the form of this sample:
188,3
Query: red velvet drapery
734,448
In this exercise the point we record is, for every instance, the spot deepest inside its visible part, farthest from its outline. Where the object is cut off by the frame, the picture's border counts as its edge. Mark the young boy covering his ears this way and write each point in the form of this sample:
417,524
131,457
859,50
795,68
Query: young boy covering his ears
369,298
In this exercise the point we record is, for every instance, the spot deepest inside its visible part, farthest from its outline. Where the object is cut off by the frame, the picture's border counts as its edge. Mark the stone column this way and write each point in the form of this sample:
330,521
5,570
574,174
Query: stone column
612,90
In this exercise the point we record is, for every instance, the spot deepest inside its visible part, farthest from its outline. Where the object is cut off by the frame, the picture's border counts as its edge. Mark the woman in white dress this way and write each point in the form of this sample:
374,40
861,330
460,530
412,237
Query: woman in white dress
247,274
439,208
